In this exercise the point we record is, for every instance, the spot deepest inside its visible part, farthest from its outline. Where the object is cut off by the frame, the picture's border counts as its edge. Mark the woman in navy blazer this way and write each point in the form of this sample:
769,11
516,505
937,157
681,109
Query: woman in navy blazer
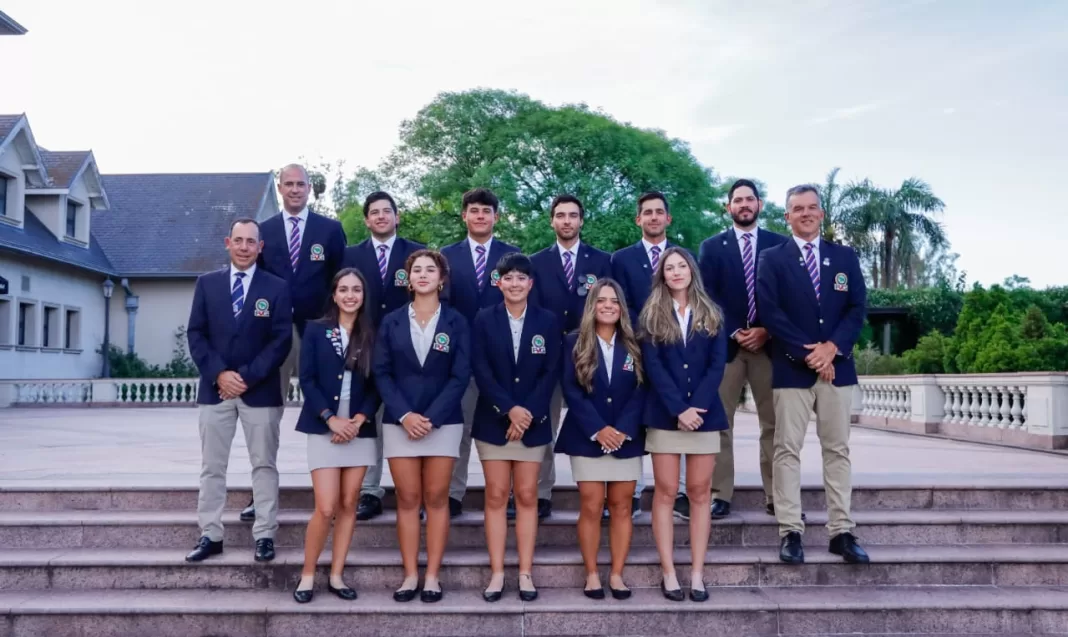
422,366
338,415
603,389
516,365
684,348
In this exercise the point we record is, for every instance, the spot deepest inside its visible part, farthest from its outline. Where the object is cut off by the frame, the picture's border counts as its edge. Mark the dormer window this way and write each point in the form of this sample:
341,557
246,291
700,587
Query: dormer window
3,195
72,218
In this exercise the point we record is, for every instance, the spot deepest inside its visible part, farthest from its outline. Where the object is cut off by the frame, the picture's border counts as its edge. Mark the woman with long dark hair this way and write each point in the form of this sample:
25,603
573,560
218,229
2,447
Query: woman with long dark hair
338,415
422,367
685,352
602,431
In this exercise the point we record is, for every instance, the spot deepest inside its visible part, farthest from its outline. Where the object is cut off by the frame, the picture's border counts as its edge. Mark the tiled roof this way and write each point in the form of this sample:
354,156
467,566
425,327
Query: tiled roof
63,166
36,239
7,124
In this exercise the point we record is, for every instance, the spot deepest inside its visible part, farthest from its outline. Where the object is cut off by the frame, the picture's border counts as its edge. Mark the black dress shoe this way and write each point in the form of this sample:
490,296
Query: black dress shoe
845,544
674,595
720,509
699,594
620,593
456,508
528,596
681,510
770,508
430,597
509,510
790,550
492,596
593,593
264,549
303,597
248,514
346,593
370,507
205,548
545,508
405,594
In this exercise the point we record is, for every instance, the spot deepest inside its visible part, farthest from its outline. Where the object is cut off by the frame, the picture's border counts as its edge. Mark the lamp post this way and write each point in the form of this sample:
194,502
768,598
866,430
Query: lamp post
109,287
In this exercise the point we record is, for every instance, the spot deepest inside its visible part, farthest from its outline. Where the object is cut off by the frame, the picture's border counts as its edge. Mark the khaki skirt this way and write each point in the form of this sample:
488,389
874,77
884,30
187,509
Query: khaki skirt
358,452
513,450
607,468
443,441
695,443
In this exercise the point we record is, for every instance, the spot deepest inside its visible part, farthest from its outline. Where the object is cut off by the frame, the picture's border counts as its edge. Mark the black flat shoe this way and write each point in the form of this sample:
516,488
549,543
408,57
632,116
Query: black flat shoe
430,597
699,594
264,550
248,514
620,593
204,549
527,596
303,597
790,549
674,595
593,593
492,596
346,593
845,544
405,594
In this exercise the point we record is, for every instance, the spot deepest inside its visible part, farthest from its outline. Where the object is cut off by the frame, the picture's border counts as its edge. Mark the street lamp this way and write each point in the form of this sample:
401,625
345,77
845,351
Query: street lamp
109,287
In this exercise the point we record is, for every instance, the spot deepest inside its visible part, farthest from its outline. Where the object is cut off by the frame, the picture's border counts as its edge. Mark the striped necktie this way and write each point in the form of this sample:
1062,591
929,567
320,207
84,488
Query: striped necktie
750,282
237,294
569,270
654,259
480,266
812,267
294,242
382,261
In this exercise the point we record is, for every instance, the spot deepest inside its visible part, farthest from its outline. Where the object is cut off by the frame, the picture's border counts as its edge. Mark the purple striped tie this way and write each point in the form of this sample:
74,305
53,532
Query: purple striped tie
750,270
382,261
294,242
480,266
569,270
654,259
813,268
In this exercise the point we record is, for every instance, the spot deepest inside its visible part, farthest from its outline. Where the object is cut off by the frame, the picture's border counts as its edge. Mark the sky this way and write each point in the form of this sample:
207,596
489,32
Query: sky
969,95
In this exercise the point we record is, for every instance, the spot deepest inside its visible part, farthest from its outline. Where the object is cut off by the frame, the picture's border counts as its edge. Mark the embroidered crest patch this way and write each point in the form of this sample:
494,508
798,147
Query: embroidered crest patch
441,342
263,308
537,344
841,282
628,364
495,278
317,253
400,279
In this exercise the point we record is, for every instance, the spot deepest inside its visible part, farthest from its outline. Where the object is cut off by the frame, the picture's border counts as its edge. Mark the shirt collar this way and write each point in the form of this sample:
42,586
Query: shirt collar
411,311
608,344
739,233
649,246
388,243
521,316
574,250
801,243
248,273
303,216
471,242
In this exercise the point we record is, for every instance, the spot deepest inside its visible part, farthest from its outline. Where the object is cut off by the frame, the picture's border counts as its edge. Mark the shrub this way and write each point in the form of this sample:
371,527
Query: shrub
870,362
928,357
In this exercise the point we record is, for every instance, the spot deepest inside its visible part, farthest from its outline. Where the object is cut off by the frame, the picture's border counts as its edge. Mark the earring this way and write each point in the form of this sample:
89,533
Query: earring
410,288
441,286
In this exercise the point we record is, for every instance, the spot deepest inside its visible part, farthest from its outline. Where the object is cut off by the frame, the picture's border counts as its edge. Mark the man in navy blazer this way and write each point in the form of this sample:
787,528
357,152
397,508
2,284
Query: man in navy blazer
812,299
381,259
563,275
472,285
728,262
239,333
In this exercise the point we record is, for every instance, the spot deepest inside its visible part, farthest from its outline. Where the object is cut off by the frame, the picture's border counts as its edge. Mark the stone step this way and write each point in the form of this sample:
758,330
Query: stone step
379,569
731,611
67,498
178,529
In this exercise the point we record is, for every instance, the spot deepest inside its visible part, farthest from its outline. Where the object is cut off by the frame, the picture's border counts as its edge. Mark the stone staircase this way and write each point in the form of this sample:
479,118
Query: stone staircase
946,561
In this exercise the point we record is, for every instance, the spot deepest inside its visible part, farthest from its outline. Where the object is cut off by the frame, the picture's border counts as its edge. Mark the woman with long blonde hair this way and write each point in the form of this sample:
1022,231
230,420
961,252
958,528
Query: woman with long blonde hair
602,431
685,351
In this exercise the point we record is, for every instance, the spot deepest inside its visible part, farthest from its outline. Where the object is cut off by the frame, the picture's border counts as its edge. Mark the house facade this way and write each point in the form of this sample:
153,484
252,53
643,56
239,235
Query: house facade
65,229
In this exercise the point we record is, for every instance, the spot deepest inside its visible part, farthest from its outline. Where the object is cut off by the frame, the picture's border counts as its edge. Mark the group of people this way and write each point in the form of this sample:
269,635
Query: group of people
408,355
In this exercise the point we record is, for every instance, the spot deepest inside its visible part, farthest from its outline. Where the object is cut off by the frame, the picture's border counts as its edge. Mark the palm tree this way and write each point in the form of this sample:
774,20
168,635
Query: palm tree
890,225
831,198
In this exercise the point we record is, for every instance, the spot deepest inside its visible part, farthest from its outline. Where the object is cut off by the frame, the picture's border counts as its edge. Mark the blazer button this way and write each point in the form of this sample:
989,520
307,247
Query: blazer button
685,366
517,380
340,376
565,312
383,306
688,394
609,400
821,321
336,398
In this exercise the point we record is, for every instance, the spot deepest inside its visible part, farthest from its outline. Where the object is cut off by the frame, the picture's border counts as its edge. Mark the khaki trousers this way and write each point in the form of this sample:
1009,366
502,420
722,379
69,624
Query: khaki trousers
291,367
458,485
218,424
372,480
547,474
793,409
753,368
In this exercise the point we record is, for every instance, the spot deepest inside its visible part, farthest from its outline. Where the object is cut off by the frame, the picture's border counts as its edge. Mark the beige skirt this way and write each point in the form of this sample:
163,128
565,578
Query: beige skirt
513,450
607,468
358,452
443,441
694,443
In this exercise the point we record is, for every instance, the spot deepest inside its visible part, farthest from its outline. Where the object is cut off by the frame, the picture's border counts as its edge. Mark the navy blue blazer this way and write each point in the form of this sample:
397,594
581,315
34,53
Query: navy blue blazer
550,284
684,376
633,271
504,382
382,297
433,390
321,251
720,262
618,404
322,368
254,344
793,317
462,291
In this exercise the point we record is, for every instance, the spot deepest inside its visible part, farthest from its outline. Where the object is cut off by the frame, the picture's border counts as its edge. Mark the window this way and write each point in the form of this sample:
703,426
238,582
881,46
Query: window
3,195
72,218
27,328
50,325
73,331
5,322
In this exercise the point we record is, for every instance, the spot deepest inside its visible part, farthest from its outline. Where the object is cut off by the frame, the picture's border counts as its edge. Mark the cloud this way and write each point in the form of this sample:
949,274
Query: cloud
714,134
846,113
949,110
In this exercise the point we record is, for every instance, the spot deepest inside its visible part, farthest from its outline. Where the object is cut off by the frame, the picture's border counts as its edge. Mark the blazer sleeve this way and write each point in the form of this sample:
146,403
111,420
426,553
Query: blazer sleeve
481,352
848,330
208,361
660,380
578,402
314,397
542,394
274,354
459,374
774,316
707,390
630,419
385,380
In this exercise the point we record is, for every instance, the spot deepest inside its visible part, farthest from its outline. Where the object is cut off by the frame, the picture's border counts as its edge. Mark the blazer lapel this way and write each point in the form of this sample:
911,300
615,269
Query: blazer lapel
826,266
222,292
734,256
619,357
465,266
251,297
496,251
558,265
333,335
800,271
408,345
526,338
397,257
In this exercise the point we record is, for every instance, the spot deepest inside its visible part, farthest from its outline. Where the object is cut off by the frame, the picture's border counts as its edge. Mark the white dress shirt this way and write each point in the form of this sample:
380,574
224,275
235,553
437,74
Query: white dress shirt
815,249
683,319
608,353
739,234
422,338
346,378
471,243
516,325
574,255
245,282
649,249
301,225
375,243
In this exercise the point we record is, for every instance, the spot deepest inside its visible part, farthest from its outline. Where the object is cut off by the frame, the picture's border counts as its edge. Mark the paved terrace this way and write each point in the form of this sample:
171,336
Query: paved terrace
160,447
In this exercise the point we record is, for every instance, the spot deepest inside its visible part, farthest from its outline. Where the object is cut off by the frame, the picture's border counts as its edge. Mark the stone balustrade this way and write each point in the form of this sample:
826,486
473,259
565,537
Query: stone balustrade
110,392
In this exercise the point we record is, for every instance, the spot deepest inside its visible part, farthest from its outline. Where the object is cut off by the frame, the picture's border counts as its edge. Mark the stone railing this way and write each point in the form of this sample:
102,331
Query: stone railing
110,392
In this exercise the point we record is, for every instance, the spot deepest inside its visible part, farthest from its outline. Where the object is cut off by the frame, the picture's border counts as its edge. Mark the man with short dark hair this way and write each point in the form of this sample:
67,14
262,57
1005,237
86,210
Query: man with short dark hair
380,259
472,285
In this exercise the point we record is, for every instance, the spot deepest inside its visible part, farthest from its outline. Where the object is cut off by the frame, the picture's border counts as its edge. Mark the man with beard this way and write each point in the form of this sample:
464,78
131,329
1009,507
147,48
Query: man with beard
728,263
564,273
381,260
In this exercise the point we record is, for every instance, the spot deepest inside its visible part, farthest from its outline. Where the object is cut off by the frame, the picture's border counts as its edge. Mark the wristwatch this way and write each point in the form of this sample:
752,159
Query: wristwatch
325,415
